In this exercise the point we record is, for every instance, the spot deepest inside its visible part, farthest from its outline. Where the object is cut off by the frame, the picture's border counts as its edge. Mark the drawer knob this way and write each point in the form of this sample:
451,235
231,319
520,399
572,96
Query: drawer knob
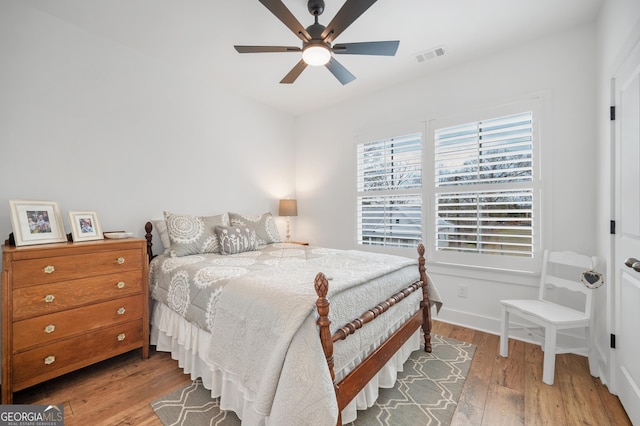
121,337
49,269
121,284
50,360
120,260
50,329
49,298
121,311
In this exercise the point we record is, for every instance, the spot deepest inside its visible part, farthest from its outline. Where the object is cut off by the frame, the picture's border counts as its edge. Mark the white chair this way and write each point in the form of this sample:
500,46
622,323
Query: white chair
551,315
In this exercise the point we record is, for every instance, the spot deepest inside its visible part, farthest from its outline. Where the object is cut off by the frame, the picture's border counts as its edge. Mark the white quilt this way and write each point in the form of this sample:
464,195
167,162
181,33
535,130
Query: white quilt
263,331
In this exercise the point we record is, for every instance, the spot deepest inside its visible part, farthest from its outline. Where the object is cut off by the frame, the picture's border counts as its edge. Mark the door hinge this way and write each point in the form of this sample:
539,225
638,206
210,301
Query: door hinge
612,113
612,227
613,341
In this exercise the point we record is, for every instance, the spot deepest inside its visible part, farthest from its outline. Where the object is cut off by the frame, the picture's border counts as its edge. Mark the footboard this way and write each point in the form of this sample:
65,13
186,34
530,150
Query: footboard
357,379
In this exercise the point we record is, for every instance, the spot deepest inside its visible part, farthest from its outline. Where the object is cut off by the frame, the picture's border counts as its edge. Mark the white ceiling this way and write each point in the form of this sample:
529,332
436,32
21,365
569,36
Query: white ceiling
197,36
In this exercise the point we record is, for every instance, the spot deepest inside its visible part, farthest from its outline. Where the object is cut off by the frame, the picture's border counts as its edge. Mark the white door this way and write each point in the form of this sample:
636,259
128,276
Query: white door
627,237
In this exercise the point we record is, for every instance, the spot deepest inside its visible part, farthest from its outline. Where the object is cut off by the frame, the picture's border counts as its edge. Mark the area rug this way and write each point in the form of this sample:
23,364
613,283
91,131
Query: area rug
426,393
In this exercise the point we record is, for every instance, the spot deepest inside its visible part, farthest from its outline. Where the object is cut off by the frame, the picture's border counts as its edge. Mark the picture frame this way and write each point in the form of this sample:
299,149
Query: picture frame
36,222
85,226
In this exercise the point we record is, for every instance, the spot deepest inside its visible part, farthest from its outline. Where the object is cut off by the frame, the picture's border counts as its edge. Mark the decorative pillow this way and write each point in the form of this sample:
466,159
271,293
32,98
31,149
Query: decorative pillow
236,239
193,234
161,227
265,226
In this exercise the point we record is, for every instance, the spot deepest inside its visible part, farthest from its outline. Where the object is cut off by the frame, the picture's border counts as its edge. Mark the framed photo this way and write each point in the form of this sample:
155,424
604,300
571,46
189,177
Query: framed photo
36,222
85,226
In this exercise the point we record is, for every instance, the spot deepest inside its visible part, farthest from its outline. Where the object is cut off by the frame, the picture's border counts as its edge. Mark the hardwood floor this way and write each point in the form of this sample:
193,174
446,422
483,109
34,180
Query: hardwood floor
498,391
118,391
510,391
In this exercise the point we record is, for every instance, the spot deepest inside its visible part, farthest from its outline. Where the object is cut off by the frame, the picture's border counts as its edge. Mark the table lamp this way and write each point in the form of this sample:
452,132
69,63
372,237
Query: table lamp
288,208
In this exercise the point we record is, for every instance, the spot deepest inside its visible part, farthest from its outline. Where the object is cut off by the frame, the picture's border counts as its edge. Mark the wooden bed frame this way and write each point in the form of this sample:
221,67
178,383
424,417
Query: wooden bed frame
347,388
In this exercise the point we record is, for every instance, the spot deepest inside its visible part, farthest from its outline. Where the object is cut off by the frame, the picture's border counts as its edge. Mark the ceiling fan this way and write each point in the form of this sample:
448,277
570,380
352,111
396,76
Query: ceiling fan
316,38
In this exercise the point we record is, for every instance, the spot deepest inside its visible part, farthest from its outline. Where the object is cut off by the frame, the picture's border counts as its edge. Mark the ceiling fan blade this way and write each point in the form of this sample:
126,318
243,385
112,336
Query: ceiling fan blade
266,49
339,71
381,48
282,13
349,12
294,73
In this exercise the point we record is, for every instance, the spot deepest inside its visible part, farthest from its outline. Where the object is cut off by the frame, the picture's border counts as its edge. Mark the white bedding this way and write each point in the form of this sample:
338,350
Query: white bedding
186,343
261,352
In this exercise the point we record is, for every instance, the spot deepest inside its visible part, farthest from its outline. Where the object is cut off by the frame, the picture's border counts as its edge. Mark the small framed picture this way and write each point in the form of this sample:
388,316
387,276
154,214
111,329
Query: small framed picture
85,226
36,222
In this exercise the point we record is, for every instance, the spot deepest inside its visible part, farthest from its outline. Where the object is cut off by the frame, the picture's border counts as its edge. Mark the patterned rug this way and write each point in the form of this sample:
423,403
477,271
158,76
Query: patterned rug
426,393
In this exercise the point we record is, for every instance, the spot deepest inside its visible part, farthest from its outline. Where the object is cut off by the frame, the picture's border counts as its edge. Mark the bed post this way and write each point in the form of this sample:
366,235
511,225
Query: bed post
148,227
425,304
322,305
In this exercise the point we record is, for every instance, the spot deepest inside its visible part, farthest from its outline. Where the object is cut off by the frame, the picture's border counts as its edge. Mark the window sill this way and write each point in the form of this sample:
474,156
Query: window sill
484,273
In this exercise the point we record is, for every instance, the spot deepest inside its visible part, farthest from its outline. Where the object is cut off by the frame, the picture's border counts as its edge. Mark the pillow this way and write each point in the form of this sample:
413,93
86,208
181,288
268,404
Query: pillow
161,228
236,239
193,234
265,226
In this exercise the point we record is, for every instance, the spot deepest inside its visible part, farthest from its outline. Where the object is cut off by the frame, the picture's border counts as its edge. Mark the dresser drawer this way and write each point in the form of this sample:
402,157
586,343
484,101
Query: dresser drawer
44,329
53,269
48,298
50,361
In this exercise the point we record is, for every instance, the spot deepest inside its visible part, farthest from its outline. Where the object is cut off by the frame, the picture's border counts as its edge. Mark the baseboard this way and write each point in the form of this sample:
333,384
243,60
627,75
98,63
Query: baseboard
601,369
465,319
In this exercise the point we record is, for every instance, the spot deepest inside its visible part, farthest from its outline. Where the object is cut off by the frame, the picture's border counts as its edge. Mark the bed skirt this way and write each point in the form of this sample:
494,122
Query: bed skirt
188,345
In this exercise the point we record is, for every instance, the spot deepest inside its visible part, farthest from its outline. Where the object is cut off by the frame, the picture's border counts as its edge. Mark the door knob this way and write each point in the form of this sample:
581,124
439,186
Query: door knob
633,264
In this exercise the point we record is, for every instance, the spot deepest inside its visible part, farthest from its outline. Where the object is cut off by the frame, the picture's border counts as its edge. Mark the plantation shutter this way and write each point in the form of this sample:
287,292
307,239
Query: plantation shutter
484,186
389,181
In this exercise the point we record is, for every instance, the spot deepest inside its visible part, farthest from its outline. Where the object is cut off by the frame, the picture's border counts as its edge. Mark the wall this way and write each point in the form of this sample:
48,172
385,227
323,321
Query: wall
561,67
94,125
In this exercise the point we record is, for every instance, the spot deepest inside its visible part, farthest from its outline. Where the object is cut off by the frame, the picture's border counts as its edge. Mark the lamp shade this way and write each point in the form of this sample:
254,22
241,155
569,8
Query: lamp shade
288,208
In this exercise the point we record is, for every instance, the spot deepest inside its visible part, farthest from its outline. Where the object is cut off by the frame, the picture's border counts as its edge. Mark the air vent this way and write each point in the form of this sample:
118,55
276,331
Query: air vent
430,54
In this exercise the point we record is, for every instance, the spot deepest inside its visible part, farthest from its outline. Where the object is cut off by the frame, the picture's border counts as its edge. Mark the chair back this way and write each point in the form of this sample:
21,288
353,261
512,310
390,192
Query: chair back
564,270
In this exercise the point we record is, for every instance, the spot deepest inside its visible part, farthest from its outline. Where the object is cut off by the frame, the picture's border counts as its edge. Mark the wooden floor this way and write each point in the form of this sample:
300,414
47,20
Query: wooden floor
498,391
509,391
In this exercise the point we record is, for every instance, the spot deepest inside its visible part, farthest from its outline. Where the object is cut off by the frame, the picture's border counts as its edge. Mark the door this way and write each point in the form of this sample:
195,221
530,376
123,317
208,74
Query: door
627,237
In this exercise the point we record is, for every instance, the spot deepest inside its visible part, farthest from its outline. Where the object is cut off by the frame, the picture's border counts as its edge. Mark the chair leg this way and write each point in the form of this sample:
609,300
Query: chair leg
504,333
549,367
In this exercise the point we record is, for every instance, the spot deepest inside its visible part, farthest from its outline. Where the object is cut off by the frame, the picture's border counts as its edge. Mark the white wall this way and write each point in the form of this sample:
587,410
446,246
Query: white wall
618,28
94,125
561,67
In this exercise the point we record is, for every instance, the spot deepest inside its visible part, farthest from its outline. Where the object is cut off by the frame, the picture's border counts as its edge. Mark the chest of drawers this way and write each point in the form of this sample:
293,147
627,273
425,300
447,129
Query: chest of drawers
66,306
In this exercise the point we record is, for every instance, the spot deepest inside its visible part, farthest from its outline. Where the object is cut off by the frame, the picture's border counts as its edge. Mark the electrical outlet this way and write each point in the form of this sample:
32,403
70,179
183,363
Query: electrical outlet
462,290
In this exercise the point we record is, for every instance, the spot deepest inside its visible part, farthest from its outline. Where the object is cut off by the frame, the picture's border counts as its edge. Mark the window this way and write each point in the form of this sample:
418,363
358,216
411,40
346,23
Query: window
484,191
389,175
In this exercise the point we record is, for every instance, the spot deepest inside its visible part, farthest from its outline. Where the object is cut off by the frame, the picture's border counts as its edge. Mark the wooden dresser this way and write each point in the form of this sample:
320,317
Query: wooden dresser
66,306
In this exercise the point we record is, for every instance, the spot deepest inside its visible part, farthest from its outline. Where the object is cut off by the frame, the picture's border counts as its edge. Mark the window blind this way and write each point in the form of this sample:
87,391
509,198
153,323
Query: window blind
390,220
484,186
391,164
389,183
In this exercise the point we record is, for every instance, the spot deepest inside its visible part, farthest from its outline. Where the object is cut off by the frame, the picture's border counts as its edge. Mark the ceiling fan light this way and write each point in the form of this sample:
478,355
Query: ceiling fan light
316,55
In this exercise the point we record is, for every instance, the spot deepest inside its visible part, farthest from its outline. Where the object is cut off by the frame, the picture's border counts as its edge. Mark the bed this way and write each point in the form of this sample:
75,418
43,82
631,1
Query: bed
284,333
